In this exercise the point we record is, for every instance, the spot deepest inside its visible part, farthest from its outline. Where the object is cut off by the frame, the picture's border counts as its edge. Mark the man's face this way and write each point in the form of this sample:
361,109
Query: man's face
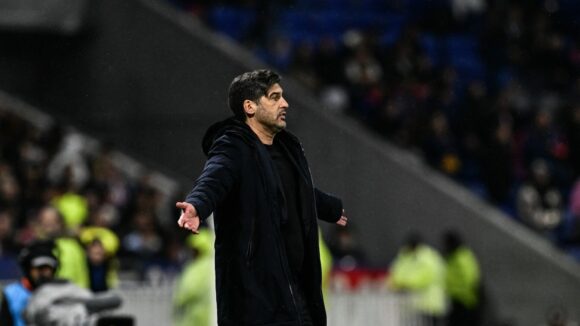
49,222
40,275
96,253
271,110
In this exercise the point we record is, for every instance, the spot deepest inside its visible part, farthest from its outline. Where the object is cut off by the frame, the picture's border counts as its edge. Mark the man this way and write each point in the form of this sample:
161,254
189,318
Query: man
71,255
419,270
463,281
258,184
38,265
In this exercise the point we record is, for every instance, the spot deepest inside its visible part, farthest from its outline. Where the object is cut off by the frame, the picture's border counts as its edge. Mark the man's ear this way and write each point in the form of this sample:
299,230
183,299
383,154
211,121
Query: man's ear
250,107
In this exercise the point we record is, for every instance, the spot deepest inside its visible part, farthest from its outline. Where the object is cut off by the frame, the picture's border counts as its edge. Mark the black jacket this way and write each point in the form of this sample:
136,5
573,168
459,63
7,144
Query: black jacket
240,185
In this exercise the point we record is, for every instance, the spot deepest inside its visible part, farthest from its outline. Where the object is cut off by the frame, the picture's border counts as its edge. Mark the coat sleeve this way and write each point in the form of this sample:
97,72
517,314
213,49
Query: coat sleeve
218,177
329,207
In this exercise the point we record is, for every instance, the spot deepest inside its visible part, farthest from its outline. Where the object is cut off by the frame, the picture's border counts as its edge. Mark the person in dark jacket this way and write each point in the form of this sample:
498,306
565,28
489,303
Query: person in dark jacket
257,183
38,264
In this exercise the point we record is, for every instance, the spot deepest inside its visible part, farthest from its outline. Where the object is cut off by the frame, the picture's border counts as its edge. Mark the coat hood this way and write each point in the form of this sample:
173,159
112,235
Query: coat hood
229,125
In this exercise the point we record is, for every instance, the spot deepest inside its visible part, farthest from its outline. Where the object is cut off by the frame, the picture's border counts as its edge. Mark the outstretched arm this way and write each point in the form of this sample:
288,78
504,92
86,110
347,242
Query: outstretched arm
329,208
215,182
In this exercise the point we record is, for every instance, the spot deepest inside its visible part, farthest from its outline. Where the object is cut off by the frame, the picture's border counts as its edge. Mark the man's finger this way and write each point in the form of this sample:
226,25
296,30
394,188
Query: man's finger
343,221
181,205
190,226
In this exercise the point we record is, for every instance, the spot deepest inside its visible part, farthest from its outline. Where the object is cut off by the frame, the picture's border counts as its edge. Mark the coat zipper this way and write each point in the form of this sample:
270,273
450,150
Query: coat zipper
292,295
290,282
250,249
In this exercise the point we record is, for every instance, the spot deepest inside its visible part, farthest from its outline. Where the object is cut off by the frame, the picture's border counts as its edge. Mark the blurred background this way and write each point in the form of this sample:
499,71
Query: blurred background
424,115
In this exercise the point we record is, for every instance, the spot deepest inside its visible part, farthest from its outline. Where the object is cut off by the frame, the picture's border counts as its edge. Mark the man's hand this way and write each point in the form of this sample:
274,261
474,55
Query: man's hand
343,219
189,218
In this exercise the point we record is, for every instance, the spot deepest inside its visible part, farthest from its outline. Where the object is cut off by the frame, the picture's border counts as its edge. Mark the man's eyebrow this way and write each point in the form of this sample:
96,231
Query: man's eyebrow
275,93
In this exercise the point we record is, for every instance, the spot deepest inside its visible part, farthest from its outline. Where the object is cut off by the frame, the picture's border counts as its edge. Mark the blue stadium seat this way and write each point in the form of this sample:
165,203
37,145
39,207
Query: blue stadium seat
432,48
463,54
235,22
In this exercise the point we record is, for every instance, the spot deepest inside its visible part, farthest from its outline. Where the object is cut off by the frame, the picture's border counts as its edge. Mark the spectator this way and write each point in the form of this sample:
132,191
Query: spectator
9,189
7,245
463,282
498,163
419,270
539,202
326,61
109,182
101,246
70,203
346,253
71,255
302,65
42,299
70,163
440,148
143,243
545,141
8,264
464,9
38,265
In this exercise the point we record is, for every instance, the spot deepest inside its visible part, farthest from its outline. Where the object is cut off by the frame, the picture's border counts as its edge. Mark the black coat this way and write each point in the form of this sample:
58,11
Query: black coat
240,185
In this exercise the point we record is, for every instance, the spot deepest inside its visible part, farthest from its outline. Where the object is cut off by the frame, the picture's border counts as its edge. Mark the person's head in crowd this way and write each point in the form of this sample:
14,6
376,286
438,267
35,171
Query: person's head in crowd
96,253
144,222
9,187
38,263
201,244
452,240
147,198
49,223
540,173
101,243
412,241
105,215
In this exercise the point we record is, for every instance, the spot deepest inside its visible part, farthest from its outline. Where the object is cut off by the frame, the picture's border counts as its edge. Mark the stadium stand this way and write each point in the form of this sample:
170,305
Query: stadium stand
91,184
483,89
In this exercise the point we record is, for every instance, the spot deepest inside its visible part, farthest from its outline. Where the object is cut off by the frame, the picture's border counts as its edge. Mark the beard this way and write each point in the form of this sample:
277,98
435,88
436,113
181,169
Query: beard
41,281
274,123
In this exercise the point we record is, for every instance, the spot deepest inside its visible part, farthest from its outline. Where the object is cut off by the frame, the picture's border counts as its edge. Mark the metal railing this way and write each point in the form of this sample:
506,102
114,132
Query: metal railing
151,305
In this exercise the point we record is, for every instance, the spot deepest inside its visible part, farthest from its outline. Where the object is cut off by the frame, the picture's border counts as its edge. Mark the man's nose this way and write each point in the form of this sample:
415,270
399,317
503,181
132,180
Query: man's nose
284,103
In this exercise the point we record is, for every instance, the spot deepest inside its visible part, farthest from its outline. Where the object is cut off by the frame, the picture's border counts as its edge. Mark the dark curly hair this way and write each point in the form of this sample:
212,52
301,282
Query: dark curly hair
250,85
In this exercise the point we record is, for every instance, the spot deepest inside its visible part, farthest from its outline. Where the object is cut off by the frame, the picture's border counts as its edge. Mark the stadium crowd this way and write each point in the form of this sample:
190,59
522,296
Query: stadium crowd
487,92
55,185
